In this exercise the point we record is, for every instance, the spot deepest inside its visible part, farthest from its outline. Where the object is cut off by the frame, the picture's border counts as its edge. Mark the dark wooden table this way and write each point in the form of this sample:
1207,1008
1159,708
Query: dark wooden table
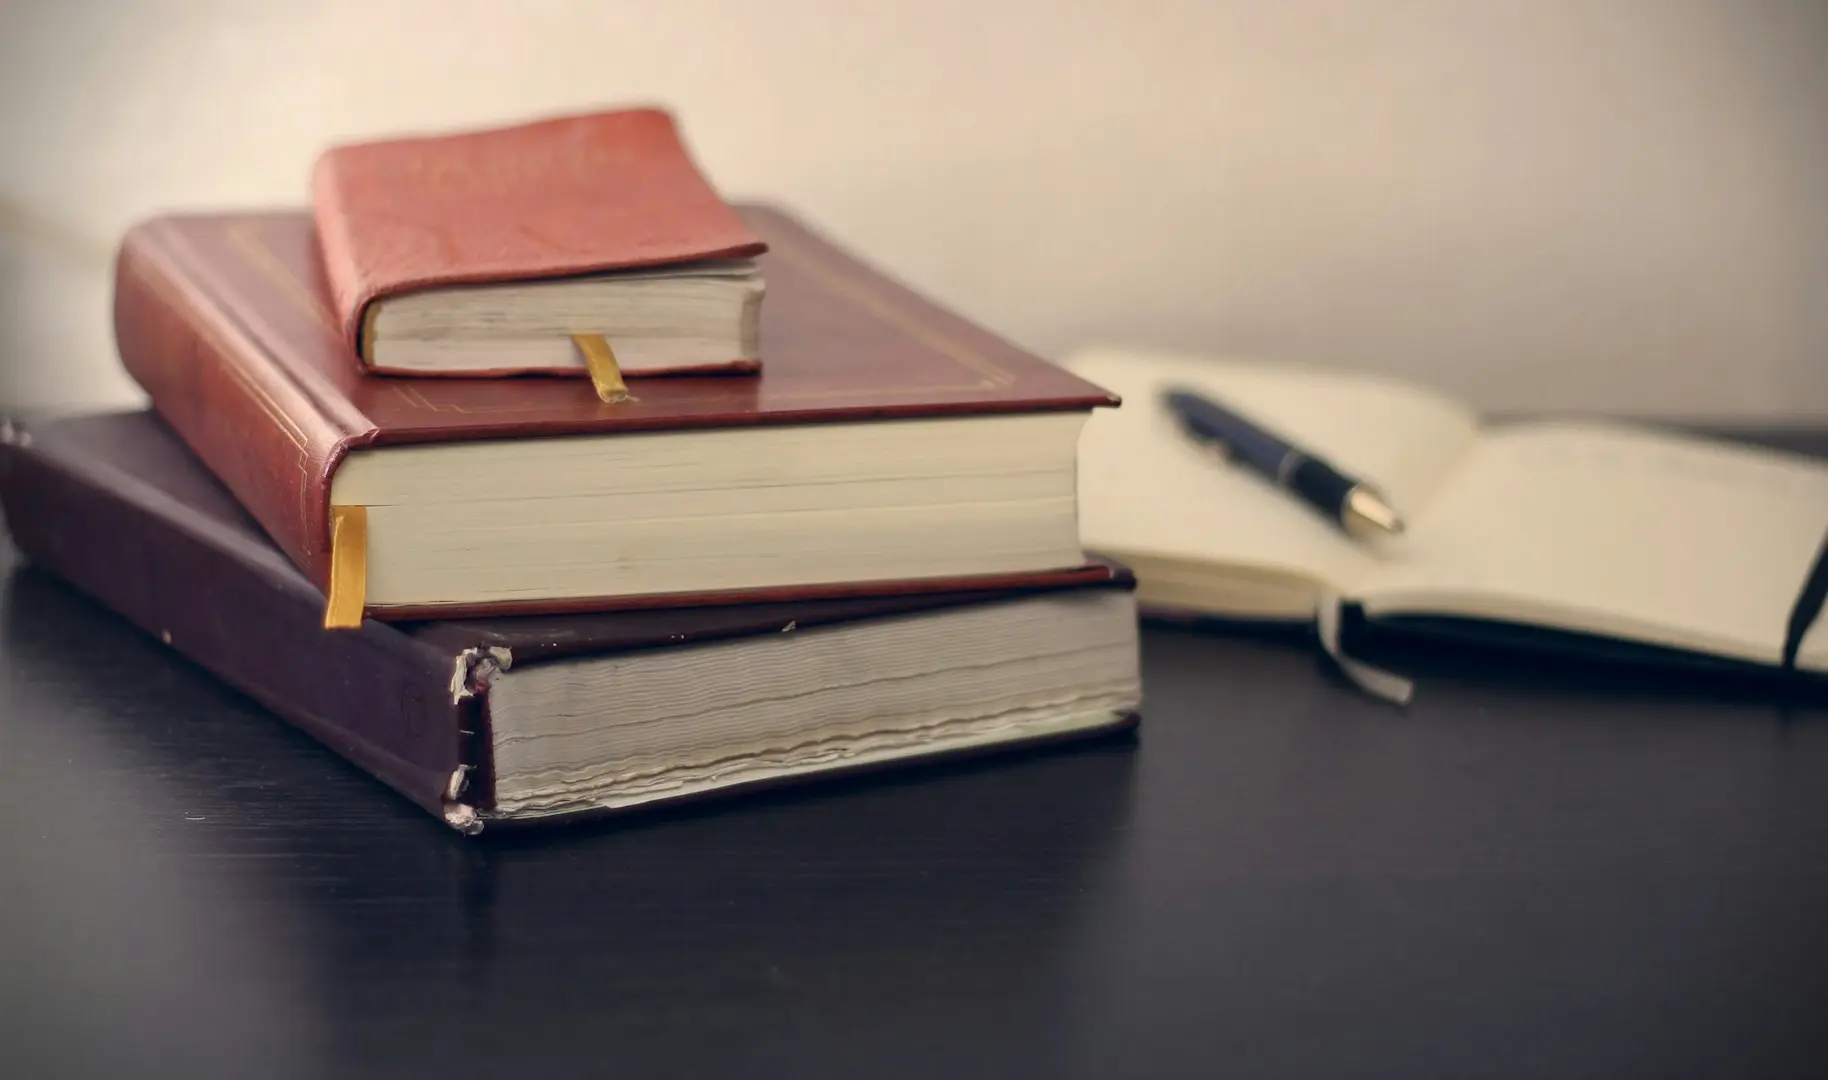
1534,871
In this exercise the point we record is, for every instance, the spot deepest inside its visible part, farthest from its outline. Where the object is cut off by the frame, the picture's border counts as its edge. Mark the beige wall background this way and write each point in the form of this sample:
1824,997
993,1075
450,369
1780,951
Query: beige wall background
1603,204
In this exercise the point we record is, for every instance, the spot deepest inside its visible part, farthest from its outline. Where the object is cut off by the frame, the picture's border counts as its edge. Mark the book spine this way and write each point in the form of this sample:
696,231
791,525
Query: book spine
214,384
385,701
349,293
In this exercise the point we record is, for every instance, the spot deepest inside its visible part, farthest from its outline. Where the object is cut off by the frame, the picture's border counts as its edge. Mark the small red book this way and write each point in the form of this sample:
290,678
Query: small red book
487,252
886,446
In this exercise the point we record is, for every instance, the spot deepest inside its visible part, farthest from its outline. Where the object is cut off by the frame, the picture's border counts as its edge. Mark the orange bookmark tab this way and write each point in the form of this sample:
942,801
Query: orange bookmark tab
348,567
605,373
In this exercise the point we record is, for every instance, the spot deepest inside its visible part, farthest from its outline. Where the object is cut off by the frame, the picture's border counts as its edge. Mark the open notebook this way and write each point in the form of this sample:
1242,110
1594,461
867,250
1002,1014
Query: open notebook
1612,530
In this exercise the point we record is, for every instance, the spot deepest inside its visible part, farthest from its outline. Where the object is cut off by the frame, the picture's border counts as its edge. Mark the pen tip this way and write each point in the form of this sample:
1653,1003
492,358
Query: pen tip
1368,508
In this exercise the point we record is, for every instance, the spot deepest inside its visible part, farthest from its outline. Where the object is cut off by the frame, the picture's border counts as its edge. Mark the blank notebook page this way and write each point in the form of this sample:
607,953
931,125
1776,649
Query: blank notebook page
1616,530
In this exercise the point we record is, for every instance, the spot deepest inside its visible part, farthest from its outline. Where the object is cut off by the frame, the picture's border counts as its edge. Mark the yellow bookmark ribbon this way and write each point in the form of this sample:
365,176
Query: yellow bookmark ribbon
348,567
605,373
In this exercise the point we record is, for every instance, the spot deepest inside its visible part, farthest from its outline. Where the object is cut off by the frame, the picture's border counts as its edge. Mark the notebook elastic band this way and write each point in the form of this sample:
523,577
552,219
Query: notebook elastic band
1808,606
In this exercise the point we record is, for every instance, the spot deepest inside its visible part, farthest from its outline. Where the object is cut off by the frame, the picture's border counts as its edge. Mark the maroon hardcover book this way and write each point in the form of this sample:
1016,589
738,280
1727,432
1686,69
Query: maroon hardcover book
115,505
227,323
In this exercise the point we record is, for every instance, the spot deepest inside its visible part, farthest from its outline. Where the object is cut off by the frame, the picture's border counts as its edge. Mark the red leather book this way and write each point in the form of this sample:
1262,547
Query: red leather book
563,200
534,719
888,445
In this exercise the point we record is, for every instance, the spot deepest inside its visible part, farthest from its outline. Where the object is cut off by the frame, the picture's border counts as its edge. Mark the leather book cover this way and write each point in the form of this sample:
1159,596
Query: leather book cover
225,320
554,198
116,506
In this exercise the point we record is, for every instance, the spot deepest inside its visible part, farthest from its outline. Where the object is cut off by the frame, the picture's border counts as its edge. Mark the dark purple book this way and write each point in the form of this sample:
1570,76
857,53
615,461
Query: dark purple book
499,721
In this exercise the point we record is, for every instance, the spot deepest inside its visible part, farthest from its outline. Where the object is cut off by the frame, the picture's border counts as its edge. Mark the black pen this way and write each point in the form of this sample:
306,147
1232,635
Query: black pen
1354,504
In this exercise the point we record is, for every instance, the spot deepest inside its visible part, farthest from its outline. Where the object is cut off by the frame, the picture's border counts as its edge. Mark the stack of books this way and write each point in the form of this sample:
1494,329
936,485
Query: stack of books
537,480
